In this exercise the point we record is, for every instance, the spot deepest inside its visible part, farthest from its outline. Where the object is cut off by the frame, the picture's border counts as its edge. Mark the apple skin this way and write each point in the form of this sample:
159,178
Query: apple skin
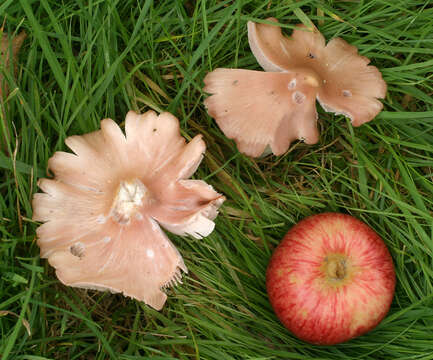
331,279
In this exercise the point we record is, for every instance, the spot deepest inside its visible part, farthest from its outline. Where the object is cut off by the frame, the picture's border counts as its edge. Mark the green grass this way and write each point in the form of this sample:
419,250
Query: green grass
86,60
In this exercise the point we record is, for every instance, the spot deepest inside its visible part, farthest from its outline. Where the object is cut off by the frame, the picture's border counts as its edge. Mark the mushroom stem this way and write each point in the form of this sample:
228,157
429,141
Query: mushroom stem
309,76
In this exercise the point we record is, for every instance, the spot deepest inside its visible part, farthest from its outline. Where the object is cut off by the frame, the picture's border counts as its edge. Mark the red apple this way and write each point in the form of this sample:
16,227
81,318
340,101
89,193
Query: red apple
331,279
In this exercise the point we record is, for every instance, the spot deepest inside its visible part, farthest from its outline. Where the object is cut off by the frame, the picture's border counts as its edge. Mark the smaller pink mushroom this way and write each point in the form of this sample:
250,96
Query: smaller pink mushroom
102,210
273,108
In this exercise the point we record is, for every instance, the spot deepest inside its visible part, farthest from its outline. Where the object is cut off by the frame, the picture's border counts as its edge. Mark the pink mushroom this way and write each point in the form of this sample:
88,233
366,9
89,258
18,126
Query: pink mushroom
102,209
273,108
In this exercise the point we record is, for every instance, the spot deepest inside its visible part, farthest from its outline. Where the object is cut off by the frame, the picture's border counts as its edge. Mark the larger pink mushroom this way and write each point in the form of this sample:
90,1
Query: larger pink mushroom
273,108
102,210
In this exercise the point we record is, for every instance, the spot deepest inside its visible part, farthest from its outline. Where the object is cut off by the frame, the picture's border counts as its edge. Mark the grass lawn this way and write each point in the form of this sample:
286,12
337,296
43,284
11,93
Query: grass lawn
87,60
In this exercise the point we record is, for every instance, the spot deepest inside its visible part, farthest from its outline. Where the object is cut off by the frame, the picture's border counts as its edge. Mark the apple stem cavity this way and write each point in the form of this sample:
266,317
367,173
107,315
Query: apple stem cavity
335,267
